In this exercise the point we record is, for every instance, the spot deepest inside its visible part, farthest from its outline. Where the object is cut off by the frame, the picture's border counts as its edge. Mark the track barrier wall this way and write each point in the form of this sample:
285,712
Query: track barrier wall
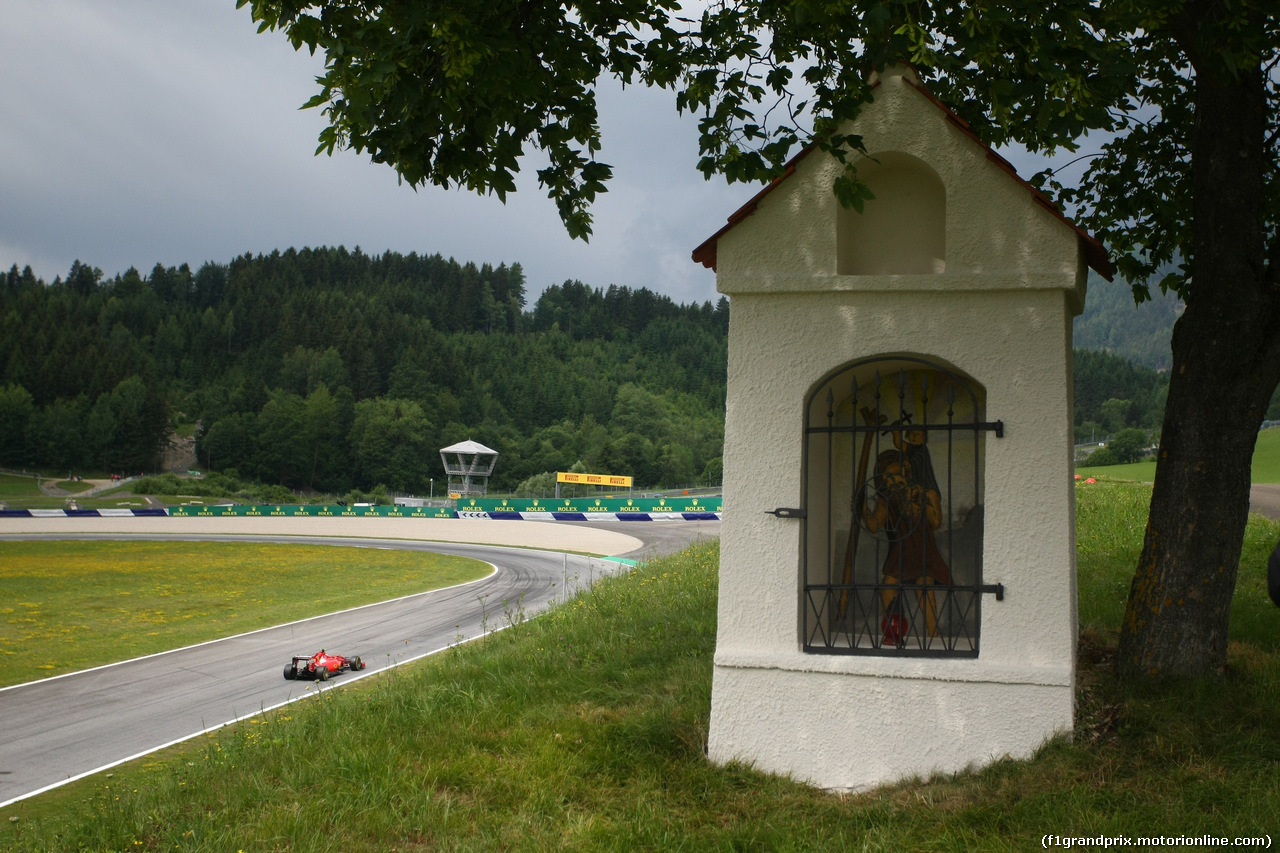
702,508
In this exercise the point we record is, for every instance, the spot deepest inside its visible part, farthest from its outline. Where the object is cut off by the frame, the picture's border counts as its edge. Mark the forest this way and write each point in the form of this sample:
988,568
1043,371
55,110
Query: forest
326,370
1122,356
1113,322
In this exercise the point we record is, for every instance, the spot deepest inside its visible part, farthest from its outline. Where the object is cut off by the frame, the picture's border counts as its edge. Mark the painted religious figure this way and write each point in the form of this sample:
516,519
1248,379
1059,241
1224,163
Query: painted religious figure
906,510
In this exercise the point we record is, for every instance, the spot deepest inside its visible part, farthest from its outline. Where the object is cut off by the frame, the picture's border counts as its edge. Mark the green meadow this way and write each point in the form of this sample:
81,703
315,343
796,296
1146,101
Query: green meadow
18,487
1266,464
23,491
584,730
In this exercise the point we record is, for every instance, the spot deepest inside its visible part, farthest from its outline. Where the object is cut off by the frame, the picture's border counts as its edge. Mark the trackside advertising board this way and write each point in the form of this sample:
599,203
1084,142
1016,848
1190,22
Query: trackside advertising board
594,479
587,506
331,511
544,508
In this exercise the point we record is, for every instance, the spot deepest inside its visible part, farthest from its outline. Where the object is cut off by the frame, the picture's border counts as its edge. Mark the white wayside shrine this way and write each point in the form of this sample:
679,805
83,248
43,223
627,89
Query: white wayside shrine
897,576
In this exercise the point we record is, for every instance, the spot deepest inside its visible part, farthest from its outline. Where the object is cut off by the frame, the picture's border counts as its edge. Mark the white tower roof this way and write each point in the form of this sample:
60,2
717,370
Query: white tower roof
468,446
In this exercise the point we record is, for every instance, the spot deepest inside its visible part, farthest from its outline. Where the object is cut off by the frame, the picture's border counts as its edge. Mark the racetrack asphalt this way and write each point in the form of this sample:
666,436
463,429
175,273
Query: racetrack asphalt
1264,498
66,727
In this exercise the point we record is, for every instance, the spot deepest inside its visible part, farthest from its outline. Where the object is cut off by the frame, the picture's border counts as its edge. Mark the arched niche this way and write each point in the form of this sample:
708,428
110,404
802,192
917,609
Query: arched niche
892,537
903,230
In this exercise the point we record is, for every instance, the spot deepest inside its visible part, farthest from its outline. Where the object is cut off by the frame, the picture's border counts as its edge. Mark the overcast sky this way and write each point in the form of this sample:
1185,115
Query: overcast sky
141,131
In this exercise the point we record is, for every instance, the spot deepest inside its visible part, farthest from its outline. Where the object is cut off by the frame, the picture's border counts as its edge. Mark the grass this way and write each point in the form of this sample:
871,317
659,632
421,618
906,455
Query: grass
66,606
1111,519
1266,457
1134,472
16,486
584,730
20,491
1266,464
73,487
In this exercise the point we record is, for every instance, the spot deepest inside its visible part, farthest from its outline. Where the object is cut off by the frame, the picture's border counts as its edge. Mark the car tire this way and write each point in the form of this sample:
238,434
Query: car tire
356,664
290,673
322,673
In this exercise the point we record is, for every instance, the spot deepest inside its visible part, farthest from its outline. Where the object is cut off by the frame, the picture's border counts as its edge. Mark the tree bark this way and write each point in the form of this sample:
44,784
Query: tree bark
1226,363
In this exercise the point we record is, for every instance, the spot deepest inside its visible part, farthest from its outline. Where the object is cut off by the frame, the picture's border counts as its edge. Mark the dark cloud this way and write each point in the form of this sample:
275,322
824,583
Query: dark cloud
144,131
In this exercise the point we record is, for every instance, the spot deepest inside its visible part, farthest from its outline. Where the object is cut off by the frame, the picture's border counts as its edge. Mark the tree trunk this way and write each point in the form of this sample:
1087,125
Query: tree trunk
1226,362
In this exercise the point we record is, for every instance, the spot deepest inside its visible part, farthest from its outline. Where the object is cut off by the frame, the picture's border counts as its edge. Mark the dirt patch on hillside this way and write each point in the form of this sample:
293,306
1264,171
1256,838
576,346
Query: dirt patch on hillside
179,454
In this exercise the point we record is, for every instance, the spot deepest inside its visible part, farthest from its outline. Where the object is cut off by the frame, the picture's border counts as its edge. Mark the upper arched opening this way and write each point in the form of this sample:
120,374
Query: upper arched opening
903,230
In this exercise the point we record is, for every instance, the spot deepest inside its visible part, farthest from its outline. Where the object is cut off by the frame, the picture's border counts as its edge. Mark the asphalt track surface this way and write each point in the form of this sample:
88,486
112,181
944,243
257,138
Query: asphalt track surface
67,727
1264,498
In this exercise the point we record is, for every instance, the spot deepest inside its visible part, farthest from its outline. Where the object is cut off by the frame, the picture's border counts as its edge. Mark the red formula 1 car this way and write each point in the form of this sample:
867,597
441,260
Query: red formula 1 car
320,666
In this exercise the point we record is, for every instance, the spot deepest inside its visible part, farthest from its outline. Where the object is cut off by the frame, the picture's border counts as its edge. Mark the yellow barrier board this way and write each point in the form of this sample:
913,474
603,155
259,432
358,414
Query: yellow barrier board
594,479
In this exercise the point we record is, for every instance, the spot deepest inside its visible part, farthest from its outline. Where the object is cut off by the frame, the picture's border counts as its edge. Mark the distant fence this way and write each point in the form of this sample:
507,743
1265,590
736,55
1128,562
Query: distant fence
701,508
79,513
292,510
586,509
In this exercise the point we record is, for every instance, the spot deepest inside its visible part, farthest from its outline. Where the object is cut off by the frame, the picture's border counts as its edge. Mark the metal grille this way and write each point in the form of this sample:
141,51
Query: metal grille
892,529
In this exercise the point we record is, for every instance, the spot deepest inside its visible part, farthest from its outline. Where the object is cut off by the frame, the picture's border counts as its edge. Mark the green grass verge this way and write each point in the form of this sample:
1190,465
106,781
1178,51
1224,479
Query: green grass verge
117,501
14,487
1266,457
1133,472
73,487
23,492
66,606
584,730
1266,464
1111,519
